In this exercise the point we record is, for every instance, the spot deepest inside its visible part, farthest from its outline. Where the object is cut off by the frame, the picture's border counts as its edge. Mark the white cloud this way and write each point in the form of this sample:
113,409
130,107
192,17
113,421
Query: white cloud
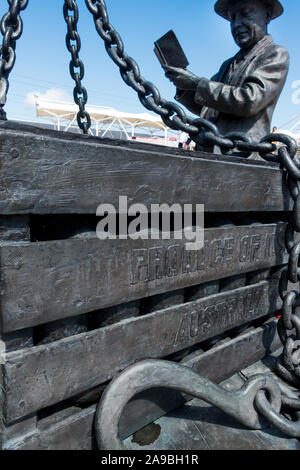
53,95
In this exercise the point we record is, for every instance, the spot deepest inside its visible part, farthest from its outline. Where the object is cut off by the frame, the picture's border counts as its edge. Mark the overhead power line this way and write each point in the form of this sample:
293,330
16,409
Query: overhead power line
37,82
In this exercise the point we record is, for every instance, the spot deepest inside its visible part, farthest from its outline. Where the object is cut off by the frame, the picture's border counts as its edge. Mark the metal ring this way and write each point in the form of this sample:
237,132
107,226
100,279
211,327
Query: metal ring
81,70
150,104
293,187
287,356
289,304
129,79
78,99
218,140
67,8
289,163
17,29
92,7
9,63
239,137
205,124
77,39
114,55
287,427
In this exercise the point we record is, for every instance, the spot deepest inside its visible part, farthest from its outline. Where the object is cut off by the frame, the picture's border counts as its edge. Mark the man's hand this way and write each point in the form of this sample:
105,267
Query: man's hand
182,79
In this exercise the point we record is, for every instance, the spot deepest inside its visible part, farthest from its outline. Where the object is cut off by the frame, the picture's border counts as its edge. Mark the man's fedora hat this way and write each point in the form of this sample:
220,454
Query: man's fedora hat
221,7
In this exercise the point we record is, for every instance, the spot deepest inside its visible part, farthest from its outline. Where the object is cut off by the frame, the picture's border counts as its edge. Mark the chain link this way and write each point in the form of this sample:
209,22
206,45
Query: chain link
73,44
11,28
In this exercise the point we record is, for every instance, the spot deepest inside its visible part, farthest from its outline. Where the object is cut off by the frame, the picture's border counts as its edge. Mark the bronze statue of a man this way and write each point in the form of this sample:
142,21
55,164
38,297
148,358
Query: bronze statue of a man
243,94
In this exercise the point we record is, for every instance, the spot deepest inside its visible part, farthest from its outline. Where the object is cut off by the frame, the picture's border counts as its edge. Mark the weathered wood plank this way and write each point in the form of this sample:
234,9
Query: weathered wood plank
18,339
60,329
75,432
19,429
48,374
60,279
116,314
44,173
202,290
14,229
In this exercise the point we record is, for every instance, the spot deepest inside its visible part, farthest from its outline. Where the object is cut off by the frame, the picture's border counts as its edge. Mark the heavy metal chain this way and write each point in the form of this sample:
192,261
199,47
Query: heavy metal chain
288,364
201,130
73,43
11,28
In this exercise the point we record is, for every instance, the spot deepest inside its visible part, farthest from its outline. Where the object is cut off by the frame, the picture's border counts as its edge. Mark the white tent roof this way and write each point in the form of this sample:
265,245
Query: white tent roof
98,114
292,127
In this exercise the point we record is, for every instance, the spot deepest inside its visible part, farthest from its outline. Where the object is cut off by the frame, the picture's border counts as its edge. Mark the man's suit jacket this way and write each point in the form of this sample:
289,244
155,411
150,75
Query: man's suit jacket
243,98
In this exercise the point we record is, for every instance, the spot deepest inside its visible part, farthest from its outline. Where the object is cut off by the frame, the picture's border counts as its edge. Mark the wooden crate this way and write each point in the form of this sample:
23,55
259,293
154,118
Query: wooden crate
75,311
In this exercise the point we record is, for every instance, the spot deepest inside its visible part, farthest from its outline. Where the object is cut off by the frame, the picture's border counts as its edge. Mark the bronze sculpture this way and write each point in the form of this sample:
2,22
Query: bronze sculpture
65,280
242,96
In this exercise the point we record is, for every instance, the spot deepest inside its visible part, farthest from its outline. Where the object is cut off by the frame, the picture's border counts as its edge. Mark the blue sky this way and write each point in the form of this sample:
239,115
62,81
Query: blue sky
43,61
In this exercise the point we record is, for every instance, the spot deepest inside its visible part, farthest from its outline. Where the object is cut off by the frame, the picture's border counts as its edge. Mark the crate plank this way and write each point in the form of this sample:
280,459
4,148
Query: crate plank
14,229
45,375
75,432
65,278
47,172
18,339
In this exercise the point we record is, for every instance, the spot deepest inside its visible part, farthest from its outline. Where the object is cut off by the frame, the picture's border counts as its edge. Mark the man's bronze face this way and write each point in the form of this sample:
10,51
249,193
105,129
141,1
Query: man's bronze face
248,21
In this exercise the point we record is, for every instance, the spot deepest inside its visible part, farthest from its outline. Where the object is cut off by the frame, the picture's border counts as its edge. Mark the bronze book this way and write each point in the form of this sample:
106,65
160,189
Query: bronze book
169,51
